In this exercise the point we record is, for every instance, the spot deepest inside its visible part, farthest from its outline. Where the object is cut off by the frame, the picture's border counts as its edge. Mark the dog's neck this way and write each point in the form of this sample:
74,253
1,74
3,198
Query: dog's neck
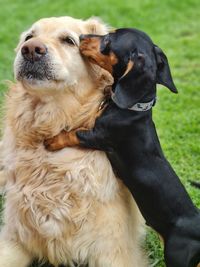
144,104
35,118
141,106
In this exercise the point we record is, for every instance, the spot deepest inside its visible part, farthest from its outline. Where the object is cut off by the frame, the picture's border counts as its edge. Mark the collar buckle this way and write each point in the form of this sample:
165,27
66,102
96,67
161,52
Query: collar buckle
143,106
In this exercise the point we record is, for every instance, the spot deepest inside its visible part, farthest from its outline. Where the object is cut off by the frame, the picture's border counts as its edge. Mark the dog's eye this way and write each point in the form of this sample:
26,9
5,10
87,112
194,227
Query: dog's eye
28,37
69,40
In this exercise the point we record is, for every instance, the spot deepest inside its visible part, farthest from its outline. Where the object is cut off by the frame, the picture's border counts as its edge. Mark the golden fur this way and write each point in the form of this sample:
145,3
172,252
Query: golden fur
64,206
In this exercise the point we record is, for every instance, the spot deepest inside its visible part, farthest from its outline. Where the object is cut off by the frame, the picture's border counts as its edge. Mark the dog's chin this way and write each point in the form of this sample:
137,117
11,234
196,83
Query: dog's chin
34,80
36,84
44,86
41,82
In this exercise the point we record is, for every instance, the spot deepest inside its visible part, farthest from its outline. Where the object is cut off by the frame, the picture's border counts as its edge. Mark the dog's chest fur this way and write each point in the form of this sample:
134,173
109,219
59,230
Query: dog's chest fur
51,197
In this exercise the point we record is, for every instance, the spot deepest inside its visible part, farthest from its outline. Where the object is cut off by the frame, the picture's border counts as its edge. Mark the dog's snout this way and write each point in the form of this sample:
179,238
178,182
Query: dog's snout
34,50
82,37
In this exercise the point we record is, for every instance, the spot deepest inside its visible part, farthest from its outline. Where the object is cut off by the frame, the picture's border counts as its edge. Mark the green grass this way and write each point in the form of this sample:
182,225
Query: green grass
174,26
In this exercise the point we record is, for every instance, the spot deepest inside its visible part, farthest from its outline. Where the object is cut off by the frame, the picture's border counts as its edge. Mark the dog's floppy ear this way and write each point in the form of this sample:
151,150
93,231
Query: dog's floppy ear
164,76
131,87
95,25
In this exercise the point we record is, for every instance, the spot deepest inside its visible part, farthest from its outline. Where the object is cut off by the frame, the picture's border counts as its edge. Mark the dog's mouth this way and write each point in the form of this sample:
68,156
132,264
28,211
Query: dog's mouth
35,70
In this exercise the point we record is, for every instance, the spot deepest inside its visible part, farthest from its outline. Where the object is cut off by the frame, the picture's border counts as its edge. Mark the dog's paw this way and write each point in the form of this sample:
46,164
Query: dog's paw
62,140
52,144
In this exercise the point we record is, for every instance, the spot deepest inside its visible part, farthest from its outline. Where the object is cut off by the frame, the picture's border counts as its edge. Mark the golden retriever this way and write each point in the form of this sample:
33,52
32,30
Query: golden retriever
66,206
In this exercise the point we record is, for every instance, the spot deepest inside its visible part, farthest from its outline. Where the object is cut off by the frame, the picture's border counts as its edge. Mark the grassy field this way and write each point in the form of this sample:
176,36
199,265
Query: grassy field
174,26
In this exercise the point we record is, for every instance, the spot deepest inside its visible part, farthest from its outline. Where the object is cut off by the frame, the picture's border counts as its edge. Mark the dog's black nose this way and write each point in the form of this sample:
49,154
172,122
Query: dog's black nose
34,50
82,37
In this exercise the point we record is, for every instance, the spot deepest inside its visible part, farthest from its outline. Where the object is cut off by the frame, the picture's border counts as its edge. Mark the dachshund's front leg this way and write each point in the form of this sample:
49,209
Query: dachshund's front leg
62,140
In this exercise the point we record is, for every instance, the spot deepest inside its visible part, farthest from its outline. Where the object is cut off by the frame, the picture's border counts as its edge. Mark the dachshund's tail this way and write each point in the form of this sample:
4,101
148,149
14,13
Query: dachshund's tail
195,184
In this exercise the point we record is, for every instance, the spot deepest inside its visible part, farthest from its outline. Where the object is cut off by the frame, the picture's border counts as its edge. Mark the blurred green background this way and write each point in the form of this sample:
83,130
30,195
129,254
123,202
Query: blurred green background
175,27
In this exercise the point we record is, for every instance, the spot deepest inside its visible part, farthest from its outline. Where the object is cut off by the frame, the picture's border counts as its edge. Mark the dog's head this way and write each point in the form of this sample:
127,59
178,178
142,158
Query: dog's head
48,56
136,64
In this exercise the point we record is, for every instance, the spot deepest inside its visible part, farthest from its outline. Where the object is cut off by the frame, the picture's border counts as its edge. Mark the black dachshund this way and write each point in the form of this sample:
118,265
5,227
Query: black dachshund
127,133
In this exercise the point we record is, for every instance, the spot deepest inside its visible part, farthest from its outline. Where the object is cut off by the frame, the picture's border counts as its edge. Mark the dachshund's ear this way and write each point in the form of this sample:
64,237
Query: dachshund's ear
131,86
164,76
